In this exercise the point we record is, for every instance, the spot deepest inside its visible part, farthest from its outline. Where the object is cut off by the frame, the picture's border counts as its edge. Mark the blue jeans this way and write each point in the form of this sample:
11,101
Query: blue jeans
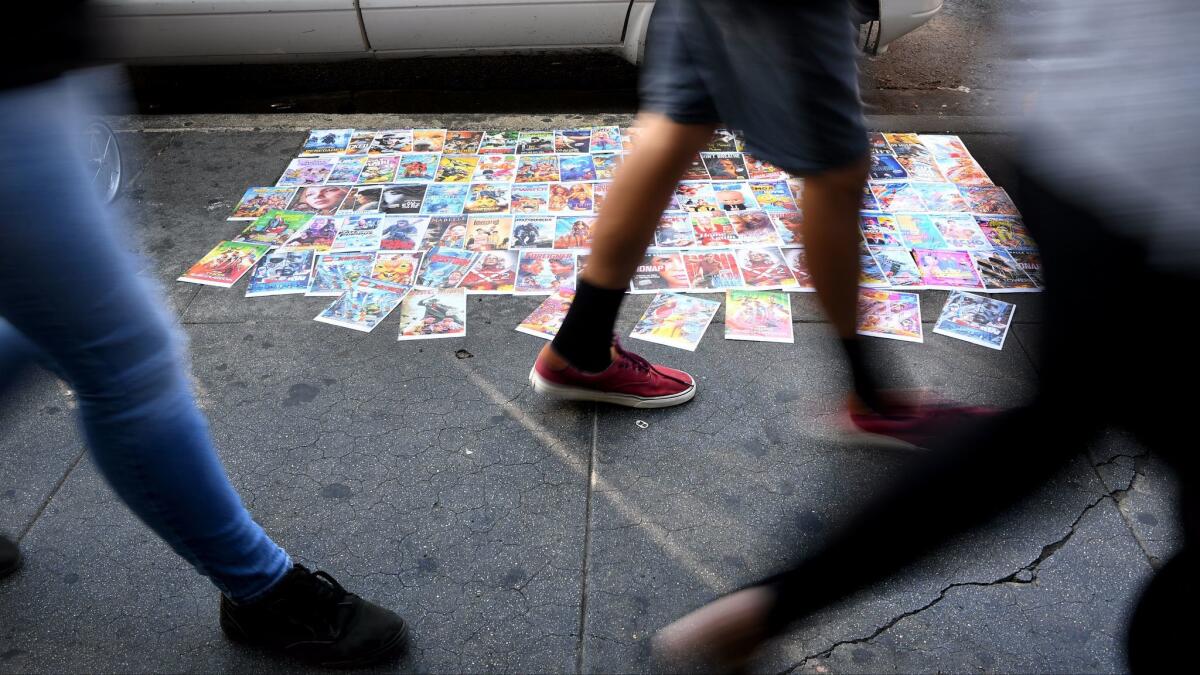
71,298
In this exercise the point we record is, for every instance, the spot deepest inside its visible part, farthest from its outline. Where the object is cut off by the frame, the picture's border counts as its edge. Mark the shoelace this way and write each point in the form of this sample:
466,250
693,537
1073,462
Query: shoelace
330,590
629,360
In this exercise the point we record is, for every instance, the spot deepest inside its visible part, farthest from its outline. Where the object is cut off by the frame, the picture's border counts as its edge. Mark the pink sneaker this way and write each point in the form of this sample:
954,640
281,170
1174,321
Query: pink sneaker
630,381
914,424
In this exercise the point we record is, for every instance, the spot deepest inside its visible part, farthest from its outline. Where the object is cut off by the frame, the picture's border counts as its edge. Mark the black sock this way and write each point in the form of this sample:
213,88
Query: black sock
585,338
866,387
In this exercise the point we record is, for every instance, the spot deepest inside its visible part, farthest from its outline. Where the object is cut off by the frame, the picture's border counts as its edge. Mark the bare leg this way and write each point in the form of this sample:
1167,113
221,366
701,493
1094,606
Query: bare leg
831,203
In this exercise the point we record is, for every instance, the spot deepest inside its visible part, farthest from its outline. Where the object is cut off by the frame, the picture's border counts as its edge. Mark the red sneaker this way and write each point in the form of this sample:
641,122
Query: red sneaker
630,381
914,424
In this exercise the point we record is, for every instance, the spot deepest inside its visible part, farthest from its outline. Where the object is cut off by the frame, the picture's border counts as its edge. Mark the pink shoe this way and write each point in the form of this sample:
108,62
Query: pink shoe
629,381
914,424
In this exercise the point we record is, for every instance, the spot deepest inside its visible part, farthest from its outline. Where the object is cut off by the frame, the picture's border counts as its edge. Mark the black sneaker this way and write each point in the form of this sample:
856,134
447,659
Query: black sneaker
310,616
10,556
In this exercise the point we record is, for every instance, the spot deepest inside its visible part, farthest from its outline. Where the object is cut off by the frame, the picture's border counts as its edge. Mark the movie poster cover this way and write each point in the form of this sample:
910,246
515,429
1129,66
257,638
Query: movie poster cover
878,143
362,307
417,167
544,272
437,228
462,142
869,202
674,231
545,321
760,316
898,266
606,165
723,140
572,140
695,170
576,168
317,236
281,273
273,228
391,142
605,139
535,143
789,227
760,169
907,145
960,231
346,171
257,201
360,200
377,170
429,140
764,267
754,227
725,166
499,142
696,197
402,199
947,270
988,200
306,171
660,271
529,198
712,229
456,235
495,169
955,162
327,141
336,273
487,198
886,167
895,315
1006,232
433,313
918,231
734,197
360,143
941,197
711,271
975,319
537,168
922,168
225,264
398,267
897,197
798,265
494,272
489,233
1001,273
879,229
676,320
1031,264
870,274
573,232
774,197
358,233
533,231
570,198
444,267
599,194
320,200
402,233
445,199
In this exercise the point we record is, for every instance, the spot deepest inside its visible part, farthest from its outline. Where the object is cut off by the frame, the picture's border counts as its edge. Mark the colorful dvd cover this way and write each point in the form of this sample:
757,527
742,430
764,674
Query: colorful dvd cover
1001,273
573,232
760,169
572,140
975,319
404,198
433,313
869,202
257,201
943,197
445,199
225,264
599,194
739,140
764,267
273,228
336,273
537,169
317,236
346,171
897,197
306,171
606,165
319,200
456,235
489,233
529,198
360,200
774,196
676,320
886,167
695,170
495,169
570,198
919,231
417,167
1030,263
428,140
605,139
391,142
794,255
487,198
947,270
712,229
493,273
898,266
365,305
1006,232
878,143
281,273
674,231
696,197
533,231
789,227
444,267
879,229
714,270
462,142
921,168
437,228
397,267
378,170
499,142
327,141
960,231
660,271
543,272
889,314
725,165
576,168
761,316
535,142
954,161
907,145
723,140
545,321
754,227
402,233
734,196
870,274
360,143
988,200
358,233
456,169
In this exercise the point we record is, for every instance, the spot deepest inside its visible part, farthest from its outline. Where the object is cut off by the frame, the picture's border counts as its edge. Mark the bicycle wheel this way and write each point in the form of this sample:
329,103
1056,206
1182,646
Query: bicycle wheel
103,156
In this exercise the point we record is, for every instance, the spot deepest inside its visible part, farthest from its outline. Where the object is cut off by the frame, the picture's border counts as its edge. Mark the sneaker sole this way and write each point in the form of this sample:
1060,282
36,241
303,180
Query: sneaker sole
395,647
545,387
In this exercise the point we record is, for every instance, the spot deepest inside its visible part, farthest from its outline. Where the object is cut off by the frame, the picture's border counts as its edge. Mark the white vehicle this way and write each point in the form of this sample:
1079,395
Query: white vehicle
259,31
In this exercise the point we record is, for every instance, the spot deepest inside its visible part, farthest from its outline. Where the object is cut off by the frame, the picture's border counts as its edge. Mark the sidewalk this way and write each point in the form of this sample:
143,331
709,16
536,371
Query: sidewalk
518,534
